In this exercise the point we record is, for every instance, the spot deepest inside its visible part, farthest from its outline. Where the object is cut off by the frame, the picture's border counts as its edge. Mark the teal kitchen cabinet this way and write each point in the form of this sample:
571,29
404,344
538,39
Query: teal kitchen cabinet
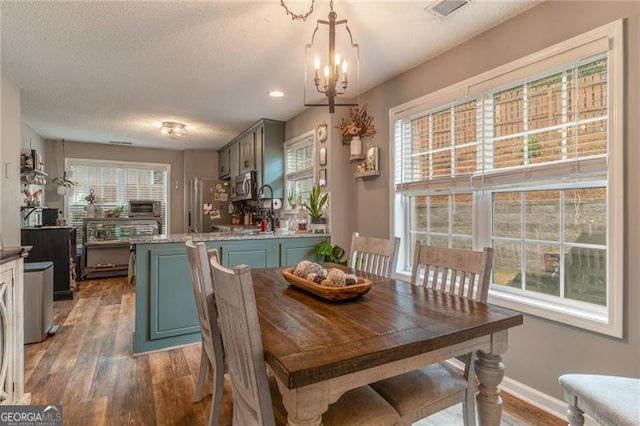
295,250
257,254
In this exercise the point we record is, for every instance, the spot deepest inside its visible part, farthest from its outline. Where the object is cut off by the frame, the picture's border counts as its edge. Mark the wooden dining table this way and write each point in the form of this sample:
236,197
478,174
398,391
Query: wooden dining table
318,349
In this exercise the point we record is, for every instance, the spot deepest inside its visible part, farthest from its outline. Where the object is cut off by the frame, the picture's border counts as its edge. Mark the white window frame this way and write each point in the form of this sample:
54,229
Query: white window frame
310,135
608,38
140,165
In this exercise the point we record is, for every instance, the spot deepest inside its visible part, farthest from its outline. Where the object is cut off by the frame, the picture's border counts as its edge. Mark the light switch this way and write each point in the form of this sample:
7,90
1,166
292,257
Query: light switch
7,170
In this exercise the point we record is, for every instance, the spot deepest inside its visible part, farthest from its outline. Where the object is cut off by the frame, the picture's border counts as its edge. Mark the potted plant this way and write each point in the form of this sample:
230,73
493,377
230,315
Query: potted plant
292,200
329,253
315,206
358,125
64,185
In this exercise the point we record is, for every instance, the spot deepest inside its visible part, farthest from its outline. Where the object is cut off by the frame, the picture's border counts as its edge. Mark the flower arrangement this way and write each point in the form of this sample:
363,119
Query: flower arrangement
359,123
91,198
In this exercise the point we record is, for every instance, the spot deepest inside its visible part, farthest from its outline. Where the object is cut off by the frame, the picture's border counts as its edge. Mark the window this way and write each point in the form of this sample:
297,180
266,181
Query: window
527,159
298,166
114,184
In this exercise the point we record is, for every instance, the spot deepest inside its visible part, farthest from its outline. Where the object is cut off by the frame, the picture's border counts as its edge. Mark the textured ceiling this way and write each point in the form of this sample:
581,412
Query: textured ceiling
100,71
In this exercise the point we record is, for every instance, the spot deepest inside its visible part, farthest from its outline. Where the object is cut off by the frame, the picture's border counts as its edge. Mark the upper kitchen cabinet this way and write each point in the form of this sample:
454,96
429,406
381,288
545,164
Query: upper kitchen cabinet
270,155
247,152
229,161
223,163
258,148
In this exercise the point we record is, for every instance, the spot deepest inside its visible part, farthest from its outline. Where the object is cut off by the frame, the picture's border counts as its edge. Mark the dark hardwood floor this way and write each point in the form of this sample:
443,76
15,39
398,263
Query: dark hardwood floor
88,368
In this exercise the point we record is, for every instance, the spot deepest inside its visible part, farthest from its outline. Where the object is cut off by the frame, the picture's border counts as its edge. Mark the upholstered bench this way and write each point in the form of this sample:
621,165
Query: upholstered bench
610,400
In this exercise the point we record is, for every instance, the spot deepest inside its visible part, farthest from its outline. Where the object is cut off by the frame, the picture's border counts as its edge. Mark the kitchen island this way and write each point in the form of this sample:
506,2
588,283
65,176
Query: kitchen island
166,314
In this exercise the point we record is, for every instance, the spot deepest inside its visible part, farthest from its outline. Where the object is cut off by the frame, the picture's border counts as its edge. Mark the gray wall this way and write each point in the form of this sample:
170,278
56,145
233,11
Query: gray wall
540,350
200,163
10,163
340,181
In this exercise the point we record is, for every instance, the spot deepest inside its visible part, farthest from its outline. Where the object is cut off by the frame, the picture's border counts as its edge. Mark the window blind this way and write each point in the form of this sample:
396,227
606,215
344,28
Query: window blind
299,167
554,125
113,185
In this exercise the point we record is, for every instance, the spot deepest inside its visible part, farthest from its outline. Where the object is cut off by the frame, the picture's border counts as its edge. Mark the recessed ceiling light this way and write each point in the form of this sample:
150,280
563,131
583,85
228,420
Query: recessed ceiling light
276,94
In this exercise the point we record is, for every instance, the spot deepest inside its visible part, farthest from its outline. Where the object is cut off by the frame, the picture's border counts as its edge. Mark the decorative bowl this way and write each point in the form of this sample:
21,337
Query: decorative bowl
334,294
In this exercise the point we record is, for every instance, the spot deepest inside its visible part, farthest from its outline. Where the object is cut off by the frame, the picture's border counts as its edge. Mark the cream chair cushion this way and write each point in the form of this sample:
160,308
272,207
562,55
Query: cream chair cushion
610,400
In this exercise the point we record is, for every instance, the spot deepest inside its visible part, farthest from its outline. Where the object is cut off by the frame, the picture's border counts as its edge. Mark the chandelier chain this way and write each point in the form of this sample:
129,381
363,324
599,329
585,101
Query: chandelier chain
295,16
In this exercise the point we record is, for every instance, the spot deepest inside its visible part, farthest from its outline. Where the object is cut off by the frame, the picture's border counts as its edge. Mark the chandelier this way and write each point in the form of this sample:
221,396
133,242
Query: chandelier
173,129
332,66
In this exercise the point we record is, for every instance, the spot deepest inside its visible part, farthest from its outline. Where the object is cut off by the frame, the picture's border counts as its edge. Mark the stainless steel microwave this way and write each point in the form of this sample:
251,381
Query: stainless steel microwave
138,208
244,186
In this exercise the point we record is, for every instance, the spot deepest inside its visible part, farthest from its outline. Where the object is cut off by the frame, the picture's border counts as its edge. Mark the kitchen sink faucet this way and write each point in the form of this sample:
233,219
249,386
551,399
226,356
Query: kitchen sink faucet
270,215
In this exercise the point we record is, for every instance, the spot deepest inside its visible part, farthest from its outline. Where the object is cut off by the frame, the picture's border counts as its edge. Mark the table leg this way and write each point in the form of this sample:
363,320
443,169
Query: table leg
490,371
304,406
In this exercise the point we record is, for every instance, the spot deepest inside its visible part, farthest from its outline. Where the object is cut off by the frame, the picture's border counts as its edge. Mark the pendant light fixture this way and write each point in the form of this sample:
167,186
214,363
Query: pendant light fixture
332,63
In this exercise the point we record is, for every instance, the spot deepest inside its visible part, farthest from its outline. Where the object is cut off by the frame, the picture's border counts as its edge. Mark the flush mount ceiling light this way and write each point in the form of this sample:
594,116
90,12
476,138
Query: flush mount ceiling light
276,94
338,78
173,129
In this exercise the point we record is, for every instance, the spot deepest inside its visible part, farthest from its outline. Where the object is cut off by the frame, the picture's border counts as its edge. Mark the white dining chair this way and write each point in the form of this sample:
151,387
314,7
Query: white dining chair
256,399
423,392
609,400
374,255
212,357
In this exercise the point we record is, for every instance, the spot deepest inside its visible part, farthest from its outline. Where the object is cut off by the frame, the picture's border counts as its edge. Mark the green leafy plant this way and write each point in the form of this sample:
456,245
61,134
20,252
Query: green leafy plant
329,253
291,199
63,181
317,200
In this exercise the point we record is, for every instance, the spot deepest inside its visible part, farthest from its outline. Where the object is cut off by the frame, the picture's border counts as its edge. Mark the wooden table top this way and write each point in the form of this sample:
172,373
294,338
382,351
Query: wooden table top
308,339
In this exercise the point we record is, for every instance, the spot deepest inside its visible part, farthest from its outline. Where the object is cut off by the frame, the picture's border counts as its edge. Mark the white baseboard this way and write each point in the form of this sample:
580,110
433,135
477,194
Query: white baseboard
544,402
540,400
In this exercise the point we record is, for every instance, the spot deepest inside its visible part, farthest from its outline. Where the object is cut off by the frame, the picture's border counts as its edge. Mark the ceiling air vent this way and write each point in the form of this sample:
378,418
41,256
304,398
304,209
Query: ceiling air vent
445,8
120,143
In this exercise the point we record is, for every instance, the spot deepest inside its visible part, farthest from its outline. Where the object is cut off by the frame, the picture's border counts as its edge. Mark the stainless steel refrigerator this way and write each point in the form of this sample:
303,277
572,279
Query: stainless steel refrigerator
209,204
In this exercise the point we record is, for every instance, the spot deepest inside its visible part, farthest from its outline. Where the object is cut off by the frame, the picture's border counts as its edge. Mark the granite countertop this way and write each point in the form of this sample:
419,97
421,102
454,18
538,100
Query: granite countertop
220,236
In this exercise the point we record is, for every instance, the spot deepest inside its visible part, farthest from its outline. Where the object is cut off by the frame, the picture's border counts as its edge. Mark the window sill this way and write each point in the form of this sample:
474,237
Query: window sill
595,321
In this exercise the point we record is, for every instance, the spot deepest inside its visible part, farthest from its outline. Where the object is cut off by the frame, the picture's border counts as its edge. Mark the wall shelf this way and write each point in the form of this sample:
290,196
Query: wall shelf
367,173
33,177
369,166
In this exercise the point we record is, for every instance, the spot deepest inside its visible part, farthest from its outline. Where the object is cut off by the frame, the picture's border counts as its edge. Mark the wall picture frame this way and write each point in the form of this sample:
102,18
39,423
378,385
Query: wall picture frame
323,157
322,177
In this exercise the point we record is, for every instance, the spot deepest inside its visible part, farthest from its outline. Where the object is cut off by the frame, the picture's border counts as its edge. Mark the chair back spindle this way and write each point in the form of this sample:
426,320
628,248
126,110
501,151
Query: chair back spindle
460,272
377,256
